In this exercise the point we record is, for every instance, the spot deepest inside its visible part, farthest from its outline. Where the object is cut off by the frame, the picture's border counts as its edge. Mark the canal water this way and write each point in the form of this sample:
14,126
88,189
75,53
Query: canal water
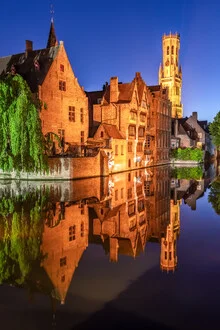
136,250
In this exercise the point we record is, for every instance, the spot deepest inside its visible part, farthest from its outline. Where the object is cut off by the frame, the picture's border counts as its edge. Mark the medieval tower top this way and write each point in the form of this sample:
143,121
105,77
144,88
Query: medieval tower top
170,73
52,39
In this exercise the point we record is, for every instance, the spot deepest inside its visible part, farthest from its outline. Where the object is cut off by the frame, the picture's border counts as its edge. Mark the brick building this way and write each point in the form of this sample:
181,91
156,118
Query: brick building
49,75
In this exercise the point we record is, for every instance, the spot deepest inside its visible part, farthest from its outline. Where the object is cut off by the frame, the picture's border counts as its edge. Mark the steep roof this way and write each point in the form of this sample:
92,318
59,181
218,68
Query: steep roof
125,93
112,131
33,66
52,39
94,96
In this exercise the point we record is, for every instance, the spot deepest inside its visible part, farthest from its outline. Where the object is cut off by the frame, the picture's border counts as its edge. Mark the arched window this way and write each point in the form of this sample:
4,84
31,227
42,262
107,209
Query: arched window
172,50
168,50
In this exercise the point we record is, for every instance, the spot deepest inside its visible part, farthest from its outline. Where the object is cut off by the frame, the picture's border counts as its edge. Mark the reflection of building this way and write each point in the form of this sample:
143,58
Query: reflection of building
168,256
63,243
138,210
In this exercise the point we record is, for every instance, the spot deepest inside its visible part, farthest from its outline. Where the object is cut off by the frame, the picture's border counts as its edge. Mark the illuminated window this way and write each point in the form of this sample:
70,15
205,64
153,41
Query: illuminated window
62,261
72,113
62,85
81,115
129,146
82,136
61,67
72,233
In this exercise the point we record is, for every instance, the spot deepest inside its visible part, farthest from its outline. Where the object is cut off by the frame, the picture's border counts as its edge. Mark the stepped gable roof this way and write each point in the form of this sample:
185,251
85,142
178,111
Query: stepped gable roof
112,131
140,85
32,66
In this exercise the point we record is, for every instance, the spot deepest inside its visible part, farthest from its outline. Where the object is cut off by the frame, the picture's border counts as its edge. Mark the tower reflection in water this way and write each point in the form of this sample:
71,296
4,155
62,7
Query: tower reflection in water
46,227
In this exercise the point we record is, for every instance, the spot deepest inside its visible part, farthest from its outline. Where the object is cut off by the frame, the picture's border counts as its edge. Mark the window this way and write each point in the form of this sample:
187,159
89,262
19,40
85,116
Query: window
141,205
72,113
72,233
168,50
172,50
102,134
133,114
116,149
129,146
82,229
131,209
122,150
141,132
63,278
147,143
129,163
132,130
129,193
61,133
62,85
82,136
122,193
139,146
62,261
142,117
81,115
165,255
116,195
129,176
61,67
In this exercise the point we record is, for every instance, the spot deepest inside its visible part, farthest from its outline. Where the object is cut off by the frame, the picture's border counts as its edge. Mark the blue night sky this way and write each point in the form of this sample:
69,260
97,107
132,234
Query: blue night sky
118,38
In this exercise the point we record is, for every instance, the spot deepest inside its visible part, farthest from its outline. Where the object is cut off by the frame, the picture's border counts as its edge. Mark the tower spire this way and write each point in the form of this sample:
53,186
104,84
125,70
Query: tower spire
52,39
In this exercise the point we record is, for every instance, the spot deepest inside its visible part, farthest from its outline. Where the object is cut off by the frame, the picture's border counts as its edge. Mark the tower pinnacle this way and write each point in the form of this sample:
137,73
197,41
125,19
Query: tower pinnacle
52,39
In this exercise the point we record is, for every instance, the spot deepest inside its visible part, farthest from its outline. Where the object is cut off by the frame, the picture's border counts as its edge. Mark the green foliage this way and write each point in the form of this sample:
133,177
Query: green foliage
21,224
214,196
214,129
21,138
187,173
187,154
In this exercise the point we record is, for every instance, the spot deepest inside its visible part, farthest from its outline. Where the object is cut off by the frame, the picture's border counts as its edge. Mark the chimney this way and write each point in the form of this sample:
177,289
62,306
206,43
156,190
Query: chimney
114,89
194,115
29,46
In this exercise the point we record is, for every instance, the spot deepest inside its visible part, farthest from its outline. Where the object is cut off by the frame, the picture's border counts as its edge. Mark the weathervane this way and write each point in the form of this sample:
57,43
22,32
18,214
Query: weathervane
51,12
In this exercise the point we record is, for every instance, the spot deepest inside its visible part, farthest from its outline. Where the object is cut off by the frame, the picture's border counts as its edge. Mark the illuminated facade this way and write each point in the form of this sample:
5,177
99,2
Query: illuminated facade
170,73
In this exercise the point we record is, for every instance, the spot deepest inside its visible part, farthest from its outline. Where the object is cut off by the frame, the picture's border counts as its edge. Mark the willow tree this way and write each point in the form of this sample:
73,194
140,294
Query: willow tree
21,139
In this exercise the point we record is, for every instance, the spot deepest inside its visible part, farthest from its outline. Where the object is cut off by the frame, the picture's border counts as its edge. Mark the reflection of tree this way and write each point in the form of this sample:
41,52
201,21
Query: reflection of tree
20,234
195,173
214,196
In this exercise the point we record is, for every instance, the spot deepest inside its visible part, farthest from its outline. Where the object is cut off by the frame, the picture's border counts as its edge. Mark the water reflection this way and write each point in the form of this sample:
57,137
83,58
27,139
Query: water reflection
46,227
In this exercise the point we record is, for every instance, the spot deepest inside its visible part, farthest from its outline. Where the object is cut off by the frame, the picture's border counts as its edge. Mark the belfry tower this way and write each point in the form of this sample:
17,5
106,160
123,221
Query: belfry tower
170,73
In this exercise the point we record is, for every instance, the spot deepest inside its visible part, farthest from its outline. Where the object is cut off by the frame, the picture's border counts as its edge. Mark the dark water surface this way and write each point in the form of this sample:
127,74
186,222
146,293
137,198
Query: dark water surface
138,250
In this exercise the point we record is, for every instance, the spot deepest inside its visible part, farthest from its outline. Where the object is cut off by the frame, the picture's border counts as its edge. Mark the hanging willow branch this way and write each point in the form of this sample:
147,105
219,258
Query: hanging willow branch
21,139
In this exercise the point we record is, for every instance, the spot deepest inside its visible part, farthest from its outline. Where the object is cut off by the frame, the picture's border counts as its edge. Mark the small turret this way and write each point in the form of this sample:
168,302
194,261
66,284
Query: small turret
52,39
